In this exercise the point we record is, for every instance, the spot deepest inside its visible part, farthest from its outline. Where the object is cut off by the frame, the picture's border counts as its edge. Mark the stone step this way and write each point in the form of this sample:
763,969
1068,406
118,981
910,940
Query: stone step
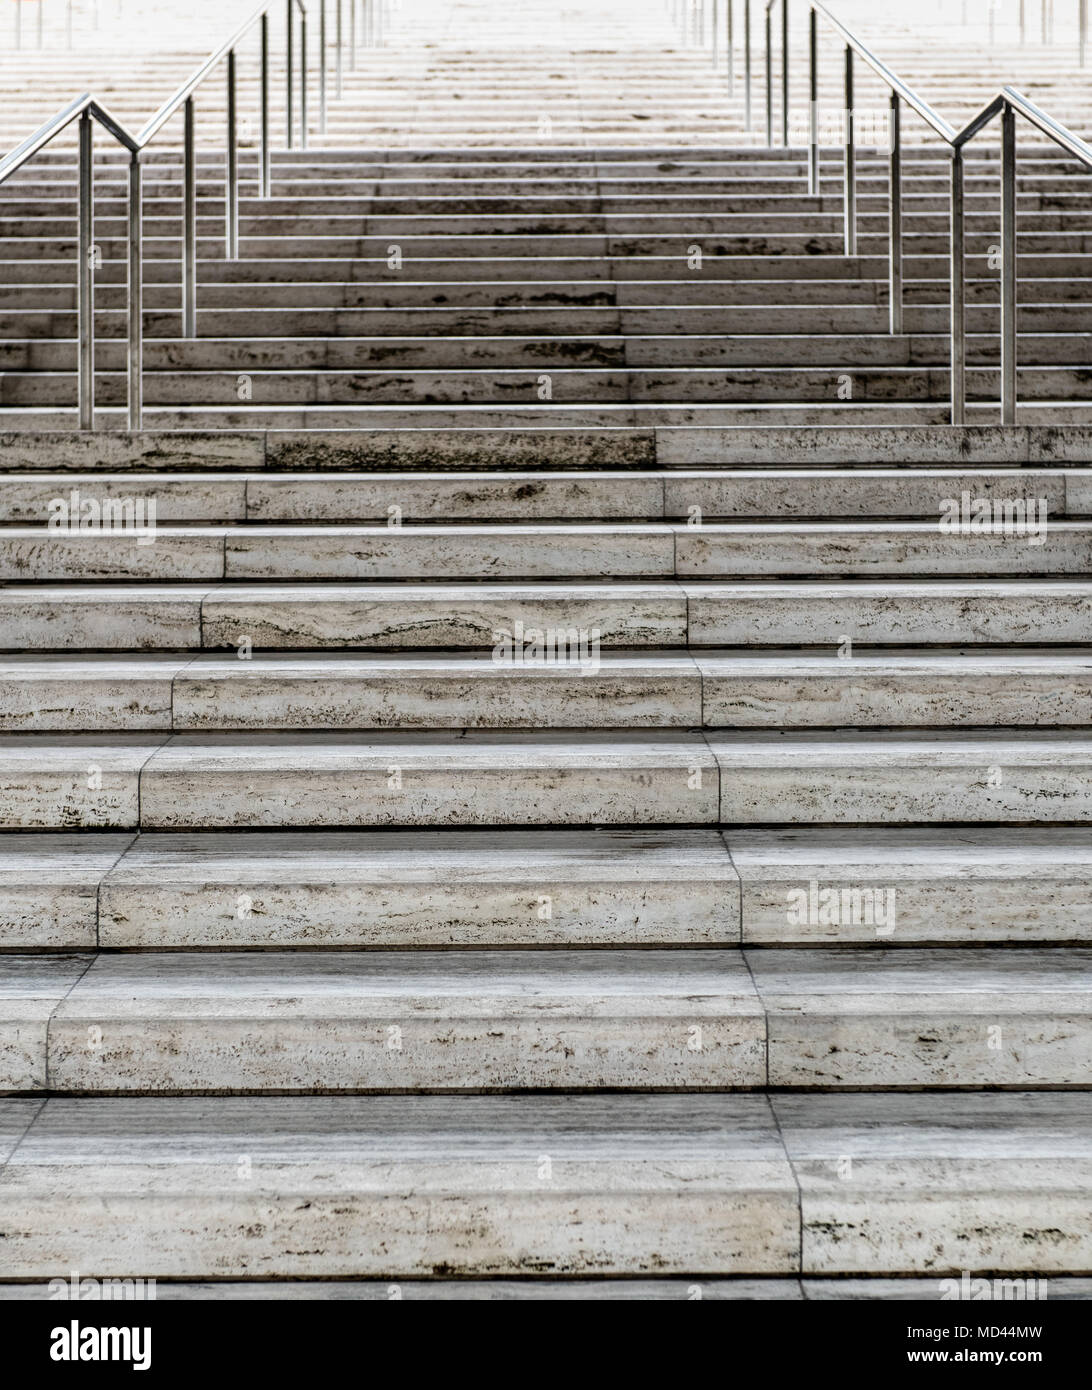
602,495
499,777
354,368
416,1021
402,328
525,445
155,1022
602,386
402,616
577,686
603,1185
1026,548
547,888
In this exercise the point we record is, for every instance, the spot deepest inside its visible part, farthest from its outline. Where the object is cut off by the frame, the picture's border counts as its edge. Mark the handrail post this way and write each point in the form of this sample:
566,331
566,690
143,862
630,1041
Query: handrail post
322,66
1082,31
135,356
85,280
263,154
849,192
340,62
769,79
894,231
1008,266
747,64
352,35
785,73
958,293
231,190
813,103
303,81
189,227
288,74
729,43
715,39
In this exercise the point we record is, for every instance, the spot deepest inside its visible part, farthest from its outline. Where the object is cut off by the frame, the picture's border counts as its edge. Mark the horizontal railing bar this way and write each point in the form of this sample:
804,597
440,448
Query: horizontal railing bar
178,97
928,113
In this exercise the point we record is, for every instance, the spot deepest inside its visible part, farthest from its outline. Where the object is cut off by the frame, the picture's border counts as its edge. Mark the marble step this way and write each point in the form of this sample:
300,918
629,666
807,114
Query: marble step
509,778
669,387
1016,546
546,888
576,686
522,443
536,1290
416,1020
305,617
652,1185
422,1020
800,493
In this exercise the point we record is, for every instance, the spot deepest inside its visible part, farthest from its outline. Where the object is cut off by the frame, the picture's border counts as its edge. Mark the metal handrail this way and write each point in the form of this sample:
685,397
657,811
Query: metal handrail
86,109
1007,104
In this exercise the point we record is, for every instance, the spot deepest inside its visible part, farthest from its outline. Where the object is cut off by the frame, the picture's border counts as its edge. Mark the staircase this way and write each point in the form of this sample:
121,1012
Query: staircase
541,791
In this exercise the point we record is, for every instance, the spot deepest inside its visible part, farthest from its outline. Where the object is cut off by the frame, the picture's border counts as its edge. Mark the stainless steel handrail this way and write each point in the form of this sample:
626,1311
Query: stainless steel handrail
86,109
1007,104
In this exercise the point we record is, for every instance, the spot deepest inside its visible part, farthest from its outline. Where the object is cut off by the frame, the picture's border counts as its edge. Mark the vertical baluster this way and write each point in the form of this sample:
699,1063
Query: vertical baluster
813,103
769,79
894,233
135,355
85,278
958,292
747,64
231,188
785,73
850,162
288,74
189,225
263,153
1008,266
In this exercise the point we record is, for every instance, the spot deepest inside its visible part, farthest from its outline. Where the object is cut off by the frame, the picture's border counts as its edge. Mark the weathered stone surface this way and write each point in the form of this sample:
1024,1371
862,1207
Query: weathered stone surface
933,886
417,1021
401,1186
941,1183
422,888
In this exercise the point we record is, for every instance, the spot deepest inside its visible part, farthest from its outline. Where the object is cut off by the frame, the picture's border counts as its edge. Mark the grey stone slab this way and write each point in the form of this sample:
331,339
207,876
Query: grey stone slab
113,449
940,1183
65,782
877,548
483,778
87,694
907,776
31,987
890,1018
854,492
530,1290
409,1021
1002,612
456,552
821,886
1078,491
422,888
26,497
440,615
355,497
855,444
403,1186
586,690
61,618
42,555
976,1288
798,690
49,888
